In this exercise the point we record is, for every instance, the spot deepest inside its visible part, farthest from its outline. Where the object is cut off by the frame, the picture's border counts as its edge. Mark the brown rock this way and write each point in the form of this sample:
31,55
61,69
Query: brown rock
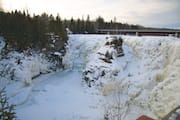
144,117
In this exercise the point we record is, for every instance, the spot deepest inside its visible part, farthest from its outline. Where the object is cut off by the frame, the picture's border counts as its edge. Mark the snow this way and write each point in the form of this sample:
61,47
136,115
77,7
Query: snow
2,43
143,82
61,96
68,31
20,67
58,54
160,58
80,49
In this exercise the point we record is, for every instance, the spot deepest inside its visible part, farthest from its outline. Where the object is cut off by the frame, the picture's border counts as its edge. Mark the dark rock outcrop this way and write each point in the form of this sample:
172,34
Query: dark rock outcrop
116,44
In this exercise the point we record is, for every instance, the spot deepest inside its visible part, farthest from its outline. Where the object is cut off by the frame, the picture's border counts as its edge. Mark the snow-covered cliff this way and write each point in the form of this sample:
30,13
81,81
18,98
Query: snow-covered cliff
160,56
146,78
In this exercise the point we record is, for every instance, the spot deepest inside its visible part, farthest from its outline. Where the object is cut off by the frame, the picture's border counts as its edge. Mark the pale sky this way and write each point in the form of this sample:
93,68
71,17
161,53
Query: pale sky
153,13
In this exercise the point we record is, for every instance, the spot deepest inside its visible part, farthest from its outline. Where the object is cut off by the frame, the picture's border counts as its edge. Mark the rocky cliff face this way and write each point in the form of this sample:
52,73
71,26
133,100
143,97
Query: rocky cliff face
107,53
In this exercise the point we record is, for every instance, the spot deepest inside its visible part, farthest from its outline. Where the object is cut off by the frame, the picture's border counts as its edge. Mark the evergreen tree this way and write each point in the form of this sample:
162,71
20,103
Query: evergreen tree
87,24
6,110
78,26
72,25
100,22
83,25
22,31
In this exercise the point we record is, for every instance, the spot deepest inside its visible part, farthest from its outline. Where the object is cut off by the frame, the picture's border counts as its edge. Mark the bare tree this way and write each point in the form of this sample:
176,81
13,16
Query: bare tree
116,108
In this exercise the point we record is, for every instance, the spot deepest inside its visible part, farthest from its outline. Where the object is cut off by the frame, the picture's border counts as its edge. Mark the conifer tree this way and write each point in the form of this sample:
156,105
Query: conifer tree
6,110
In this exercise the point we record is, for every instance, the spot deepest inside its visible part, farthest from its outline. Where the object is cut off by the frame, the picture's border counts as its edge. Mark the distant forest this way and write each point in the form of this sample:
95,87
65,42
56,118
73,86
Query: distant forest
22,31
81,26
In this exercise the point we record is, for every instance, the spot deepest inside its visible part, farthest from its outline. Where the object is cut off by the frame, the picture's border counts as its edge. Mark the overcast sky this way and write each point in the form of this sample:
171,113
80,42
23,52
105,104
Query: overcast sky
154,13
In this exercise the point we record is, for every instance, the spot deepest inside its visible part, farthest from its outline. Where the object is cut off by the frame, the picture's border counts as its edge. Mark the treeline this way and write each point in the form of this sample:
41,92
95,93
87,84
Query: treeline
89,26
80,26
21,31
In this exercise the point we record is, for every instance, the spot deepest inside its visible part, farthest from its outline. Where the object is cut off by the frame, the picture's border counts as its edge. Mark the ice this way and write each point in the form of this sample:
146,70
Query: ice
80,50
61,96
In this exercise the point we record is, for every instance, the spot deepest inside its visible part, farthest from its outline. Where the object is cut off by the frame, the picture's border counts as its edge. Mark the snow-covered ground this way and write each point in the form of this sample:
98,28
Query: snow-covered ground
144,81
61,96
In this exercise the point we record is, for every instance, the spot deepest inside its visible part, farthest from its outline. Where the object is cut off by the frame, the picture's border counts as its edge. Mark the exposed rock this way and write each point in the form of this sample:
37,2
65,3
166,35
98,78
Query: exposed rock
106,60
116,44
